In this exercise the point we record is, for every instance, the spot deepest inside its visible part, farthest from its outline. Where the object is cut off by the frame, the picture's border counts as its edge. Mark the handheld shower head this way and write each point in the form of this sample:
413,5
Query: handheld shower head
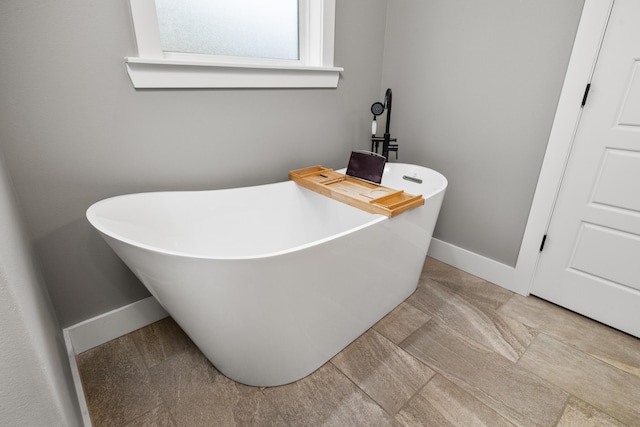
377,108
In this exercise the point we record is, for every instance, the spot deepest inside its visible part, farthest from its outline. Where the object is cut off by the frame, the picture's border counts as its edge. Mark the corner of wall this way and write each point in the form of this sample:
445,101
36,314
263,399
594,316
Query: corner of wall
33,367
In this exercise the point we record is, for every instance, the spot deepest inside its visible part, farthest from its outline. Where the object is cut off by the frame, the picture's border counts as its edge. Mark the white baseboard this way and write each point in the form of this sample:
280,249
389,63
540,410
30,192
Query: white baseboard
113,324
486,268
103,328
71,354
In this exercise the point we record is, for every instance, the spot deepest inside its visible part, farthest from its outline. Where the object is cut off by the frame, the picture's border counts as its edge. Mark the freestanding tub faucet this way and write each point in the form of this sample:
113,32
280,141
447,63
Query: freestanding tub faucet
377,108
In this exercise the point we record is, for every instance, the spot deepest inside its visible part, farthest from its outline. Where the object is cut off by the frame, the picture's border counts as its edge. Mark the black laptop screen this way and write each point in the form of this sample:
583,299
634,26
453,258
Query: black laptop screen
366,165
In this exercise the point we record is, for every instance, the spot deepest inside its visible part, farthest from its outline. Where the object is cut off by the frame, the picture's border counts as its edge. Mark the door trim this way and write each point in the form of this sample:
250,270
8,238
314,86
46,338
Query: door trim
593,23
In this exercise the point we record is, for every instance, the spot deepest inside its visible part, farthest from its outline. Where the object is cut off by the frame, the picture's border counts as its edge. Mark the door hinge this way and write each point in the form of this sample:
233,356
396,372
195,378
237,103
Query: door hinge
544,239
586,93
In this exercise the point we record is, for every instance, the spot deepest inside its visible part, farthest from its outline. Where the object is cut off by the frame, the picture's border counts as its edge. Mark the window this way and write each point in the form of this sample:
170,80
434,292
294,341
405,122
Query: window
225,28
189,44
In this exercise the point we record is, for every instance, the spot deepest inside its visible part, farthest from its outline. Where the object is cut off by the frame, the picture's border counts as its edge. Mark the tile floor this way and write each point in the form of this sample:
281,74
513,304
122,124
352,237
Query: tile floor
459,352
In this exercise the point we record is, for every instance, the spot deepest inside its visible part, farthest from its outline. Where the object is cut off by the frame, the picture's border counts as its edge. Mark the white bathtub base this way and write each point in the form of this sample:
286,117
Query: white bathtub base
274,319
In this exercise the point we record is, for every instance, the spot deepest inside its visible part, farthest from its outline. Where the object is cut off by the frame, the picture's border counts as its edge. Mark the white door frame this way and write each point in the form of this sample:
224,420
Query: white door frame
593,22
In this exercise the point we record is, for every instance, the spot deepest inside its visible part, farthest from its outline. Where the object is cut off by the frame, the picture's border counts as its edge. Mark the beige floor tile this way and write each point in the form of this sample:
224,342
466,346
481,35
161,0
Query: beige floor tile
160,341
404,320
157,417
442,403
116,383
515,393
580,414
474,288
327,398
467,330
600,341
608,389
197,394
384,371
479,322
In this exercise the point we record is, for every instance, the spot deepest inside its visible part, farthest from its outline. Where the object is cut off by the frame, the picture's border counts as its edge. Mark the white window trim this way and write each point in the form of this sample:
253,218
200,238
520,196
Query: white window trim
153,68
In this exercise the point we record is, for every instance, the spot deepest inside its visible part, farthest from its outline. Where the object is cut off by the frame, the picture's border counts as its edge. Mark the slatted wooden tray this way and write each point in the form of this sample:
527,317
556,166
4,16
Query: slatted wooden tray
360,194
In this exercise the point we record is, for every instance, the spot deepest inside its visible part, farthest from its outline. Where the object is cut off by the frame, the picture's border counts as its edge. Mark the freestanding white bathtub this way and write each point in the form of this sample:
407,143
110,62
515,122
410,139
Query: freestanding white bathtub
272,281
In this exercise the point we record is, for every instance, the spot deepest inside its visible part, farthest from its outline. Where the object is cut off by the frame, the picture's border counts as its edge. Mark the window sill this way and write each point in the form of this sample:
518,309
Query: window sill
148,73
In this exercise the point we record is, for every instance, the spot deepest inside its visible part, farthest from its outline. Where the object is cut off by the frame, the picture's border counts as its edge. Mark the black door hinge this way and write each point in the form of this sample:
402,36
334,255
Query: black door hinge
544,239
586,93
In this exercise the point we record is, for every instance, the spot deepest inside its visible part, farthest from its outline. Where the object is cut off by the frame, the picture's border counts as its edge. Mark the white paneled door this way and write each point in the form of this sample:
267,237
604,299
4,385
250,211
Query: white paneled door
591,258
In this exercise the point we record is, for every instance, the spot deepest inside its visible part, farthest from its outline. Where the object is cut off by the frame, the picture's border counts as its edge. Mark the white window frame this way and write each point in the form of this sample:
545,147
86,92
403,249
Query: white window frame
153,68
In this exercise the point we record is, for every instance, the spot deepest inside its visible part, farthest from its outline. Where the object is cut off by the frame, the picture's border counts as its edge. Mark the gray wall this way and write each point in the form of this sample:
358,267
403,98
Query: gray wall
36,387
475,89
74,131
476,85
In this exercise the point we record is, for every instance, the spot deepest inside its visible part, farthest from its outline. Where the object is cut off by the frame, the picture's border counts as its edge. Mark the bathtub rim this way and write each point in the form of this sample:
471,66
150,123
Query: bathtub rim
91,215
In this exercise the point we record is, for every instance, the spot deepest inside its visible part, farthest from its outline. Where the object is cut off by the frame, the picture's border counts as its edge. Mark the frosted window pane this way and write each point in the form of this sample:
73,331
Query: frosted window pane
253,28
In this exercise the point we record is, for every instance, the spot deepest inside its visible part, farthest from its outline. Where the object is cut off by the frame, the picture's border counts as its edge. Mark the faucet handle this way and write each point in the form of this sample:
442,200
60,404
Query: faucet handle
394,147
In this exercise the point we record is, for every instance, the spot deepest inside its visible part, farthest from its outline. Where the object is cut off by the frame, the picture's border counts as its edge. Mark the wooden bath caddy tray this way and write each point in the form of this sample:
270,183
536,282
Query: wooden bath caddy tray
360,194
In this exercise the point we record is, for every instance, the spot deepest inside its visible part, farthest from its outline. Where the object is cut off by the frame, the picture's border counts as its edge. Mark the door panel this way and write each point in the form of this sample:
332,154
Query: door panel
591,259
619,168
608,254
630,111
